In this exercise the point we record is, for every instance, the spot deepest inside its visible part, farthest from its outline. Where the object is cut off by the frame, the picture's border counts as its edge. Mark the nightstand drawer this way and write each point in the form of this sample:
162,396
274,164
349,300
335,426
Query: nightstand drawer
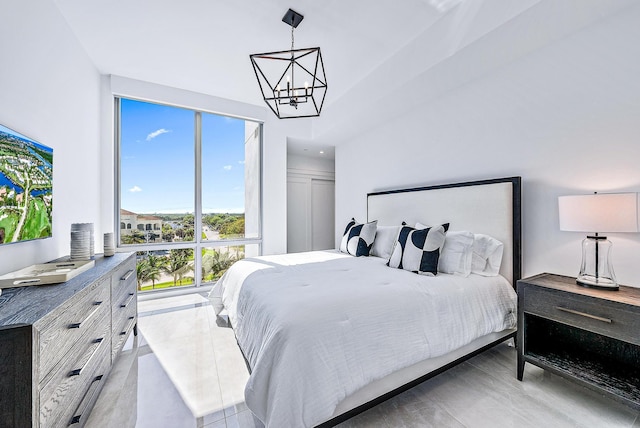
598,316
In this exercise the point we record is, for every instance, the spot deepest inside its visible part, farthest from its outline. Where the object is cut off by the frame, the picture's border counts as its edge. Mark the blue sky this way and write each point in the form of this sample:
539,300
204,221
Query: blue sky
11,131
157,160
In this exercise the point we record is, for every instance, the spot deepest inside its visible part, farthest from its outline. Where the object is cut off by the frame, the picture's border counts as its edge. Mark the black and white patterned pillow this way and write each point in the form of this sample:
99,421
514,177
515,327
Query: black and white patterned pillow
358,238
418,250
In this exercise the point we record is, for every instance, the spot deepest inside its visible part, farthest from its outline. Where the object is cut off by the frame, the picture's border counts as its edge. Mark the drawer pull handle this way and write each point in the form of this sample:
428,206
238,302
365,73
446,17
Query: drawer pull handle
127,275
583,314
122,333
78,372
129,300
81,408
91,315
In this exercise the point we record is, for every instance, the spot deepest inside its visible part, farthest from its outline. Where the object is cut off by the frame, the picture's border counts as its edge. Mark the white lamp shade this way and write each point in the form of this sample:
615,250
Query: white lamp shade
602,212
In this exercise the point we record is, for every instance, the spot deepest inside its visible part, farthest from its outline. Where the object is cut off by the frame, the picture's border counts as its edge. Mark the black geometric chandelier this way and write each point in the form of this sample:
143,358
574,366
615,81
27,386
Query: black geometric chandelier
293,82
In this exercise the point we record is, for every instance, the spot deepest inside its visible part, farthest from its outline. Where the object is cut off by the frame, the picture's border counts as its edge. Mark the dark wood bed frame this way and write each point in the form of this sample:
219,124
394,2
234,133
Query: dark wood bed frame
517,270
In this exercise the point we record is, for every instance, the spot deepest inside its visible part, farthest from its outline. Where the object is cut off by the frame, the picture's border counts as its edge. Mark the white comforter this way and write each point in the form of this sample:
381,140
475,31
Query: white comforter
316,327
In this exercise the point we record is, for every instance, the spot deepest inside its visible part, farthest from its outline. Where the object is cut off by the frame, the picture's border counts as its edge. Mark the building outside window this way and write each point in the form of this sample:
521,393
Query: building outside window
189,192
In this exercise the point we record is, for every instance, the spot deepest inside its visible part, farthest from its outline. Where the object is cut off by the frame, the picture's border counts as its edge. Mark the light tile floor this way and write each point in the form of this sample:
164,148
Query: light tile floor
185,370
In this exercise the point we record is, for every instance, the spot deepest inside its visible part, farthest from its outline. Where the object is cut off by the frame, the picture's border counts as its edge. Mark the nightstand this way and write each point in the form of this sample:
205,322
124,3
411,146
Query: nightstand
589,336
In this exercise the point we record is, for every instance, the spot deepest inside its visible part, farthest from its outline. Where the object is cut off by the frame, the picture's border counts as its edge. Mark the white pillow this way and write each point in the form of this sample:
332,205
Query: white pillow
385,238
456,254
487,255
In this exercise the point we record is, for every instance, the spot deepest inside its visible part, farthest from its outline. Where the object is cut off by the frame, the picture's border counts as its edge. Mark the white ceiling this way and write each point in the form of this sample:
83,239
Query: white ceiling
402,49
204,45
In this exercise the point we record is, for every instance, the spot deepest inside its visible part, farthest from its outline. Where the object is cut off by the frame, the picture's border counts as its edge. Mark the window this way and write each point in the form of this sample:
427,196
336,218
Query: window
190,183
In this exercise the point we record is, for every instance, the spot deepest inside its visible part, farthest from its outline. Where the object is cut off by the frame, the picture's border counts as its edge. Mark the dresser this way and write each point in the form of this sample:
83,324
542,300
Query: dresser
586,335
58,343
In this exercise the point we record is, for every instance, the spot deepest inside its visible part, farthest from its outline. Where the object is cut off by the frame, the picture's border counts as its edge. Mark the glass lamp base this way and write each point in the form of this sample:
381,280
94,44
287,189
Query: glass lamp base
593,282
596,270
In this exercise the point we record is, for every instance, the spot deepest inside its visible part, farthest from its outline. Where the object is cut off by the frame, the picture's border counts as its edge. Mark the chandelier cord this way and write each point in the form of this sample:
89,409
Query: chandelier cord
292,28
292,101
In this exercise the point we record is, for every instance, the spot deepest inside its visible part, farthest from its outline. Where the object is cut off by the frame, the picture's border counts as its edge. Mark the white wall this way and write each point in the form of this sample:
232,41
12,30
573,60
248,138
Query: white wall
563,114
313,165
275,134
49,91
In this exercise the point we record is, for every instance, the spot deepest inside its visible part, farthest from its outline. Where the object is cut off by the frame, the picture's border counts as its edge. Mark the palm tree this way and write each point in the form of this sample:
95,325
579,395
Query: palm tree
178,264
142,266
216,263
149,268
156,265
184,271
136,237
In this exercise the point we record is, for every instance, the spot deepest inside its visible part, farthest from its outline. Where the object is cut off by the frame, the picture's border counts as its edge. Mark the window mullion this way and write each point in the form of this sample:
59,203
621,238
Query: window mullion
116,168
197,259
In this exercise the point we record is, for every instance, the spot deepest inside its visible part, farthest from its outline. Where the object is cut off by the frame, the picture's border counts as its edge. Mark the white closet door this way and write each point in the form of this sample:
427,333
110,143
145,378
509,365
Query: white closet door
298,218
322,214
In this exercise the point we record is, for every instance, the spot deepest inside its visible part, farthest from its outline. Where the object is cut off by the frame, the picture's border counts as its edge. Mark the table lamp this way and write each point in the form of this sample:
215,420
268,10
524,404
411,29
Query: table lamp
601,212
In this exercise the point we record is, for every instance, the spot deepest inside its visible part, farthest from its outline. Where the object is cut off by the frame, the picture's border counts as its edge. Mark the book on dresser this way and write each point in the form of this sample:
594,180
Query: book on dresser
59,342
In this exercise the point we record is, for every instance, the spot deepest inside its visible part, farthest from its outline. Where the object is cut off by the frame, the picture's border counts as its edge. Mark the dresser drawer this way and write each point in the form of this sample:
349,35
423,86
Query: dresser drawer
62,391
598,316
79,416
124,278
123,312
59,333
121,332
123,318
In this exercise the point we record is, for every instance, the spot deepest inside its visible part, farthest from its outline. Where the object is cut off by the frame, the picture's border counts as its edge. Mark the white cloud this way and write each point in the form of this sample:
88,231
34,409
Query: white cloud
154,134
135,189
227,167
241,162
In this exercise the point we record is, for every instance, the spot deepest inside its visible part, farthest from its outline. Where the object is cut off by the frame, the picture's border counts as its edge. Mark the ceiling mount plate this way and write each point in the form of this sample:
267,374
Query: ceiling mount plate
292,18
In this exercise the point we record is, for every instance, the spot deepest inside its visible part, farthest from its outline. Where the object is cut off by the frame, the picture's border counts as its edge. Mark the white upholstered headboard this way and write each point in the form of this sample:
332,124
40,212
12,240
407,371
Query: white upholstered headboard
491,207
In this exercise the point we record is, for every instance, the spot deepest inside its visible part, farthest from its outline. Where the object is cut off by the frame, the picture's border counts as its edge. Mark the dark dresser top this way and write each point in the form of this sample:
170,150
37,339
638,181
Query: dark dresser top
626,295
26,305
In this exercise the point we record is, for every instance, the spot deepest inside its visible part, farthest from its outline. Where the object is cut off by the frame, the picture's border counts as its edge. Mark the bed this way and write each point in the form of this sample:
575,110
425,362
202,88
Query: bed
327,335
